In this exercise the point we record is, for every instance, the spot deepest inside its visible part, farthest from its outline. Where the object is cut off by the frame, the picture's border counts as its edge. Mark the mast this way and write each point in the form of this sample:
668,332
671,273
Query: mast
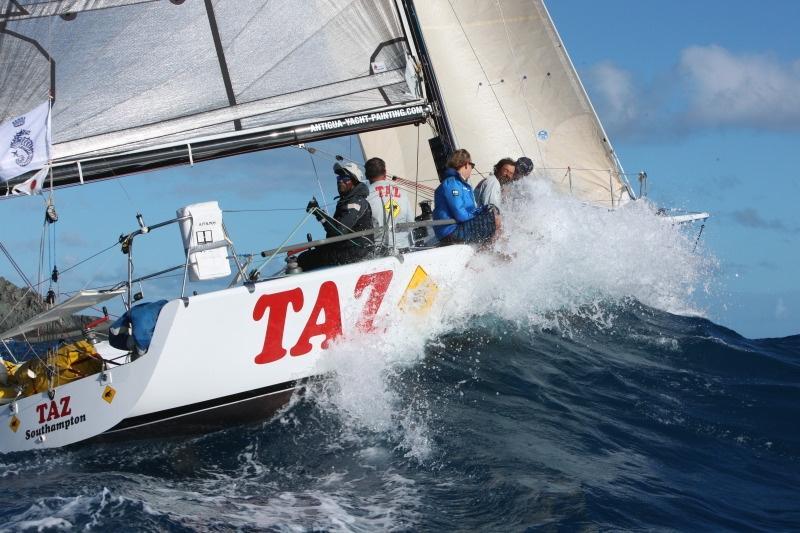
446,143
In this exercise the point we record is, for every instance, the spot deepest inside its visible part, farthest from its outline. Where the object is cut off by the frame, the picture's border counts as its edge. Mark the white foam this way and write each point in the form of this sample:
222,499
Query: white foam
330,502
569,260
363,389
572,258
60,513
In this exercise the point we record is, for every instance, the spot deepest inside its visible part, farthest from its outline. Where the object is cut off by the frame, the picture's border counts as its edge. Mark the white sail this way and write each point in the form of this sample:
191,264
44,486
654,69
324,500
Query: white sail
131,75
83,299
509,89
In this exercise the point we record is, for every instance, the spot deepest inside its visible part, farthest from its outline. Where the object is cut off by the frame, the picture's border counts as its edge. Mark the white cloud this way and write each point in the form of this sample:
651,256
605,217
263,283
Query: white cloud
616,87
709,87
740,90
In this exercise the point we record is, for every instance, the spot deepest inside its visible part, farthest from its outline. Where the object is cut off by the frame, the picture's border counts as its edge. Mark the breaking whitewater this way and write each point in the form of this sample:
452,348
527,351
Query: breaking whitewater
574,386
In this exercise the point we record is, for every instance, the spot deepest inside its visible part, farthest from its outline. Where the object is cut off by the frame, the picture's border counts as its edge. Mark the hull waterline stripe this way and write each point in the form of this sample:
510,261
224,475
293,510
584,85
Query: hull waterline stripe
177,412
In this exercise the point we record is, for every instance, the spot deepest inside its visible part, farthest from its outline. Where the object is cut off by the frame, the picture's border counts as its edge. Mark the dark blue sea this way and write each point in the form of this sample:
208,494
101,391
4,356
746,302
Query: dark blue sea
651,422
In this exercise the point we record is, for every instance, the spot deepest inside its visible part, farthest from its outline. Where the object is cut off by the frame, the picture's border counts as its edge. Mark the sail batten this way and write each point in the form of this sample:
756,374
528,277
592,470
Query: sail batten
226,115
128,75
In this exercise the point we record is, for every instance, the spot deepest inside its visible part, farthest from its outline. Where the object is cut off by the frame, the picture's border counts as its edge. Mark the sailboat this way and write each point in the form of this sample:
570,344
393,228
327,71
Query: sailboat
141,85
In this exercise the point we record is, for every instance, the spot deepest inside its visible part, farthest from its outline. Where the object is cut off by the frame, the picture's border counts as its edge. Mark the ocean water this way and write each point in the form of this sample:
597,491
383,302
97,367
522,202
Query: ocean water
573,386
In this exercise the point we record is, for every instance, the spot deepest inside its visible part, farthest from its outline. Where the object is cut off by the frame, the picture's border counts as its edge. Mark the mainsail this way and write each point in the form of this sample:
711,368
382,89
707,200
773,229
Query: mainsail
140,84
509,89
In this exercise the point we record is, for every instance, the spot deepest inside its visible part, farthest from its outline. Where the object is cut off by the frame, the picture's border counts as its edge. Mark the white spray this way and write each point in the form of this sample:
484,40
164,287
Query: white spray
557,257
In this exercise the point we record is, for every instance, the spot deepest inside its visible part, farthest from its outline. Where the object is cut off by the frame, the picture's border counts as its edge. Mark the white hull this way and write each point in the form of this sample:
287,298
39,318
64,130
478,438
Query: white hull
243,348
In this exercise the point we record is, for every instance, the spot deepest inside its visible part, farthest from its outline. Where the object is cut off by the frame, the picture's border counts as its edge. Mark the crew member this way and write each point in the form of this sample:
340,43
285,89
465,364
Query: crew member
388,203
454,199
352,214
523,167
487,192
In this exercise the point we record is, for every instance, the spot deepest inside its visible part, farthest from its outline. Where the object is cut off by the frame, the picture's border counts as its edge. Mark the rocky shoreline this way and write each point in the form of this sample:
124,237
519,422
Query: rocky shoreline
18,305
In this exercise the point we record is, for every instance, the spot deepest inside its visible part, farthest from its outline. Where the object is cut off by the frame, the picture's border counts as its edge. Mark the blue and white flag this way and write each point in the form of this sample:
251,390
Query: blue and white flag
25,142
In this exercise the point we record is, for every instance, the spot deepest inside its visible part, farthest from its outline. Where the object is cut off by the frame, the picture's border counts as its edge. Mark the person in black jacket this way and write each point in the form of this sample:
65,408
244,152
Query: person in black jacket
352,214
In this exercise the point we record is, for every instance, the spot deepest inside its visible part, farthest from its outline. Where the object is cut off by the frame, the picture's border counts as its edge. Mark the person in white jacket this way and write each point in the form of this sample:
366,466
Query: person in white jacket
488,191
389,204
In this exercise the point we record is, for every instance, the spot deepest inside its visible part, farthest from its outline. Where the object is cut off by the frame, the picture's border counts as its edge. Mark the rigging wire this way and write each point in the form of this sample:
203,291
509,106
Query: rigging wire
313,150
523,78
16,266
424,190
264,210
34,288
416,175
99,269
89,258
10,353
335,157
270,258
316,174
41,256
485,75
128,196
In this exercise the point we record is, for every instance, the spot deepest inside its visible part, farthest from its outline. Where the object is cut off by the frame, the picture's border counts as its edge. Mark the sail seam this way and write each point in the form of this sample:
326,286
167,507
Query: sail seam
223,65
242,111
523,80
485,75
299,45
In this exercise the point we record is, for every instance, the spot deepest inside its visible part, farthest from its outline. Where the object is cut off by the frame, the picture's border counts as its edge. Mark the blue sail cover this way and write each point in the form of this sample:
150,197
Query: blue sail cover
142,320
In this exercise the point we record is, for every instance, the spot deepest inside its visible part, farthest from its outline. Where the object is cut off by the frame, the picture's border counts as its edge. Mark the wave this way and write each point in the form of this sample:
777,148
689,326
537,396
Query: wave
660,421
562,389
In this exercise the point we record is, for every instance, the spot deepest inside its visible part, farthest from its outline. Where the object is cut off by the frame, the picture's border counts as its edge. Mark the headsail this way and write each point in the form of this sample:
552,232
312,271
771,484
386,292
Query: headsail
136,82
510,90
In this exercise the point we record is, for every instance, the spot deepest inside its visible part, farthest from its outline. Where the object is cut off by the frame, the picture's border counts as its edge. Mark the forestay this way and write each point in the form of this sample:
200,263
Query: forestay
509,89
142,75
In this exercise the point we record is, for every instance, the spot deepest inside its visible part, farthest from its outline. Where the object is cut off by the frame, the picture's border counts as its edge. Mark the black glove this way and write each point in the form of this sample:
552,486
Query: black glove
313,207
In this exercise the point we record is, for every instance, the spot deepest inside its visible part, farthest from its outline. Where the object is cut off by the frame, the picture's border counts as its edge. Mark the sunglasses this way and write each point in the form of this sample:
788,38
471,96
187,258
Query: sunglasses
471,164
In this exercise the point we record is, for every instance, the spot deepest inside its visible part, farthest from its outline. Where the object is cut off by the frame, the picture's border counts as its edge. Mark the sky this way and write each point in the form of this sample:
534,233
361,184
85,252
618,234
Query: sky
705,97
702,95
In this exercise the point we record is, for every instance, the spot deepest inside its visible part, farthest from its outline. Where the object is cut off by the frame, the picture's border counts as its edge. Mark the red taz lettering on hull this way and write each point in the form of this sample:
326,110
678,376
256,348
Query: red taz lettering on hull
327,304
277,304
52,410
379,281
